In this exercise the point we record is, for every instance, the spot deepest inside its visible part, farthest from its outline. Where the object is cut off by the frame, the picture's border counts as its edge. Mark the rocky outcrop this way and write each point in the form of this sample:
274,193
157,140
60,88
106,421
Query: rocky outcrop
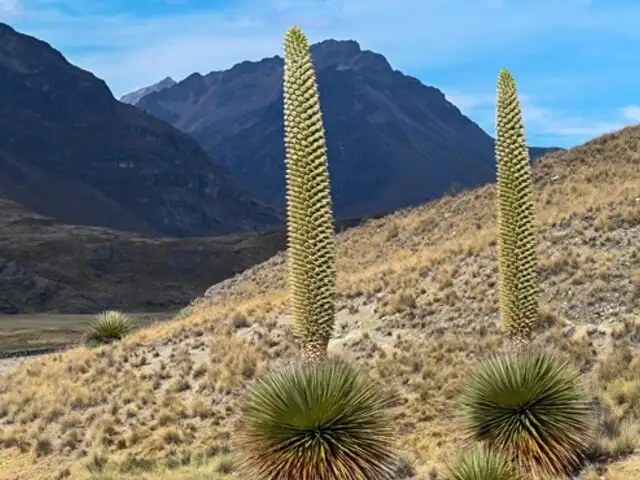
19,288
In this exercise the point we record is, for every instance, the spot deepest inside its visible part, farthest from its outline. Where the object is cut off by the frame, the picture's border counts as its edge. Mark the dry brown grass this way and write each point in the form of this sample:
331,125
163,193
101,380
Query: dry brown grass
417,305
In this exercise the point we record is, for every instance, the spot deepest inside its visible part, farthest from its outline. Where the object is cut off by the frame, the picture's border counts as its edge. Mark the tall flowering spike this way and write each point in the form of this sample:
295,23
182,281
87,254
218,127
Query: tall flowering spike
311,242
516,241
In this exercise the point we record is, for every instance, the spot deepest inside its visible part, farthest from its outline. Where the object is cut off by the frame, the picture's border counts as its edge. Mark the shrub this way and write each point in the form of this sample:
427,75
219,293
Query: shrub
532,408
481,464
321,420
108,327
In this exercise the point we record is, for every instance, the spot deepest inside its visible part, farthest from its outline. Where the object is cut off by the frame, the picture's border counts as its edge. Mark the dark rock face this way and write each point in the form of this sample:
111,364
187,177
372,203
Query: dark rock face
71,151
19,287
393,142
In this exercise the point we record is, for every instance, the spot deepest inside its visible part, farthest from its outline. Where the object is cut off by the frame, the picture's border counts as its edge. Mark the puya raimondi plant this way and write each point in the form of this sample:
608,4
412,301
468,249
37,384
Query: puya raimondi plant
321,418
527,405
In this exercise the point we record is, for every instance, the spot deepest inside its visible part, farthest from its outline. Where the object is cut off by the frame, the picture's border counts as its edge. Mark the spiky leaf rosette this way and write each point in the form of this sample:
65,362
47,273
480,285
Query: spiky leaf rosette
316,421
311,242
481,464
109,326
533,408
516,241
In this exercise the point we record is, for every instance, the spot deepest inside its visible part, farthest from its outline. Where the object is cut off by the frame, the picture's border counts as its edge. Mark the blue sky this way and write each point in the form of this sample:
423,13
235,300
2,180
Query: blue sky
576,62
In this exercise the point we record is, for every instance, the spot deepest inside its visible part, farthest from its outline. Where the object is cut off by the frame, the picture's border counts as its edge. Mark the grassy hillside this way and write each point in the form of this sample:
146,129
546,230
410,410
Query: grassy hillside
418,306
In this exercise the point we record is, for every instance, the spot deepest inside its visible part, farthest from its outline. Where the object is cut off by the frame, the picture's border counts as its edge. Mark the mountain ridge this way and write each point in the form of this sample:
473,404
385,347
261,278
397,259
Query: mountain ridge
95,161
49,266
393,142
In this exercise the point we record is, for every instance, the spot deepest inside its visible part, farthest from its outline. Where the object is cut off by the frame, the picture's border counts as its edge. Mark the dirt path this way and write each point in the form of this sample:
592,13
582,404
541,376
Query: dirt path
6,363
7,360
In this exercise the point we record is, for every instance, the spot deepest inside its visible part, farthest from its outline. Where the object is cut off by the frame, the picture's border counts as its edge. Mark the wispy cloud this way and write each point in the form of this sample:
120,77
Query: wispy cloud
9,7
632,113
469,102
132,44
560,127
553,122
412,33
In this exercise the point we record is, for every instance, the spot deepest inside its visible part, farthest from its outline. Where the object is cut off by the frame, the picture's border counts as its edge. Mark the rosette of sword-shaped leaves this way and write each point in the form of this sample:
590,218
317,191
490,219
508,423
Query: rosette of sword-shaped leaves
310,231
532,408
317,420
108,327
481,464
518,287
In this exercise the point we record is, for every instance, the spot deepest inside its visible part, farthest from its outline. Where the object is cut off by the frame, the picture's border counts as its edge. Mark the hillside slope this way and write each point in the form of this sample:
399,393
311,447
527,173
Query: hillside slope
46,265
417,306
49,266
392,141
71,151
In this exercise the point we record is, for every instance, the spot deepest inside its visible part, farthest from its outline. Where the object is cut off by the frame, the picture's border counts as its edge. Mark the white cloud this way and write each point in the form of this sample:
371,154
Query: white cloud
9,7
130,51
547,121
543,120
467,102
632,113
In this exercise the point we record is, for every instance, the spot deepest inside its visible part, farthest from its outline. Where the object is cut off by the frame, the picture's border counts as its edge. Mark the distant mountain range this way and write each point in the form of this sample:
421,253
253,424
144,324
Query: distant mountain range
70,150
209,159
393,142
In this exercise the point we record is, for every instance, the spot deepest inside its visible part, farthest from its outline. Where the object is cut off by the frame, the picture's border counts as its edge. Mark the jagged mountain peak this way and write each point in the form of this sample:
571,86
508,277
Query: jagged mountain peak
133,97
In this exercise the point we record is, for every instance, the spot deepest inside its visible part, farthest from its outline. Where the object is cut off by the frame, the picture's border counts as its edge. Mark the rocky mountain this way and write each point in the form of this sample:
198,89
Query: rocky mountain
69,150
134,97
393,142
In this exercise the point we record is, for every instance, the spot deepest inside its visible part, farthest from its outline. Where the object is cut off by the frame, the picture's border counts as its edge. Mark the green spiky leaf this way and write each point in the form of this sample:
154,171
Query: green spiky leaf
516,240
310,231
533,408
481,464
109,326
320,420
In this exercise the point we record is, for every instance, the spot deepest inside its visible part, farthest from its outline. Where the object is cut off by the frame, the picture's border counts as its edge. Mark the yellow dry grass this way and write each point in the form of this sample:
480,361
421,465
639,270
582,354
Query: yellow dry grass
417,306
